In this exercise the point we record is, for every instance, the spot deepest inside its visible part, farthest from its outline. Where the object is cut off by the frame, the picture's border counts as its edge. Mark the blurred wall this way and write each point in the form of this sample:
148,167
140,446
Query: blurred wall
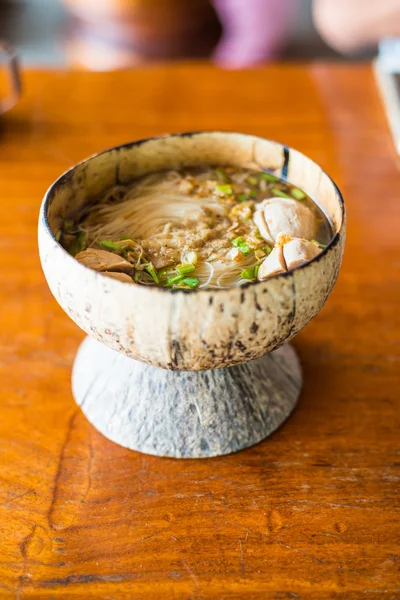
39,29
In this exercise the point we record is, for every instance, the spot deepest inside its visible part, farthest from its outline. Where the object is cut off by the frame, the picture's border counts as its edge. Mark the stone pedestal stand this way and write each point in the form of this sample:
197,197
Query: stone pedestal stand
184,414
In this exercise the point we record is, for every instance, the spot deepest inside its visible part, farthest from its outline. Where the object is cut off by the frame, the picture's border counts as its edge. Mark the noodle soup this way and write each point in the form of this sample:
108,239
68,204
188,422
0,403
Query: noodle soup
198,227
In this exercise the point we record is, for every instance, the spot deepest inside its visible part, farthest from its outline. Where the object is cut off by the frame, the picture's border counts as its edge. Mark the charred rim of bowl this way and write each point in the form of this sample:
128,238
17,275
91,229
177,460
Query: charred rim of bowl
65,177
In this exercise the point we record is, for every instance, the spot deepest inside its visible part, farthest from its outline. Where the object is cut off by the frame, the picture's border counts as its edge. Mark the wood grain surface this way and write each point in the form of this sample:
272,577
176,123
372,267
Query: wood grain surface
311,513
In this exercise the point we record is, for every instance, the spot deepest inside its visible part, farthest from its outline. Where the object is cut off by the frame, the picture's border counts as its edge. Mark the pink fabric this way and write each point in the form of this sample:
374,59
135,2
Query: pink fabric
254,31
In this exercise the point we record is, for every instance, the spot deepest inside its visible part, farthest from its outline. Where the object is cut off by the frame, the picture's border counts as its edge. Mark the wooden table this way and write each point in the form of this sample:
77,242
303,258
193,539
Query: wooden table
311,513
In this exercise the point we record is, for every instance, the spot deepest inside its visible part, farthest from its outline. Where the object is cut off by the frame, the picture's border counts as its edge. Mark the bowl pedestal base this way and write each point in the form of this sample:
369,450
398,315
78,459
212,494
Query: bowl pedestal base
184,414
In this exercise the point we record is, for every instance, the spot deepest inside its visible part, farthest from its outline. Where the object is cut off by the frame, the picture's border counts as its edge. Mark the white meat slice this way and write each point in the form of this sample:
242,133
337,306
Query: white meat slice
101,260
120,276
273,264
297,251
284,215
287,254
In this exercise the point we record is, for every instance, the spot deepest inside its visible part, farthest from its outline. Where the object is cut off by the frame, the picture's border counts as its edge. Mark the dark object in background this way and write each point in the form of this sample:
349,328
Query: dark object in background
13,76
125,32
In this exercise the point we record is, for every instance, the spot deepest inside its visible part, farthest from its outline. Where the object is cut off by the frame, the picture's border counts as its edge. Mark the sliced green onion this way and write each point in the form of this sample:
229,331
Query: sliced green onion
267,249
68,225
253,193
247,273
279,192
237,241
269,177
225,189
58,235
153,273
298,194
185,269
250,272
173,279
163,272
243,197
222,175
241,245
109,245
252,180
317,243
191,282
78,244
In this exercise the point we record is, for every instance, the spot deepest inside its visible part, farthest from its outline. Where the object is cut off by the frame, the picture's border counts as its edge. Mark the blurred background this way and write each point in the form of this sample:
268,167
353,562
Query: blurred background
112,34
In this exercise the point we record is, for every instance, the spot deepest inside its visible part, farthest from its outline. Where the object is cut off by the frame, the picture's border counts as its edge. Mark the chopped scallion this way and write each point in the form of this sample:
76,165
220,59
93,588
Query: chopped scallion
191,282
109,245
267,249
185,269
225,190
237,241
252,180
277,192
253,193
241,245
78,244
298,194
269,176
153,273
173,279
250,272
58,235
68,225
247,273
243,197
317,243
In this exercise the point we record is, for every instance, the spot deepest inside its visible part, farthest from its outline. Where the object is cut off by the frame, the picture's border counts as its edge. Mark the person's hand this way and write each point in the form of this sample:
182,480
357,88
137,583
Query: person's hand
348,25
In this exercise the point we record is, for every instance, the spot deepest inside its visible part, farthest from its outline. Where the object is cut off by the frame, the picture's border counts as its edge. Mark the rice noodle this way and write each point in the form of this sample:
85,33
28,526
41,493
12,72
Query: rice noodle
210,276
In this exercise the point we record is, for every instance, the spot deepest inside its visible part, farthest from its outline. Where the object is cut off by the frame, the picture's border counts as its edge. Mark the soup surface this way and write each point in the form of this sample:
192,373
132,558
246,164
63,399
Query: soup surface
197,227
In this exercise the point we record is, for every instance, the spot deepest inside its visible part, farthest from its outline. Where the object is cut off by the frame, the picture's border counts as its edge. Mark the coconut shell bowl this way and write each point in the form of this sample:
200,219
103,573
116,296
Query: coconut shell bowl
178,373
